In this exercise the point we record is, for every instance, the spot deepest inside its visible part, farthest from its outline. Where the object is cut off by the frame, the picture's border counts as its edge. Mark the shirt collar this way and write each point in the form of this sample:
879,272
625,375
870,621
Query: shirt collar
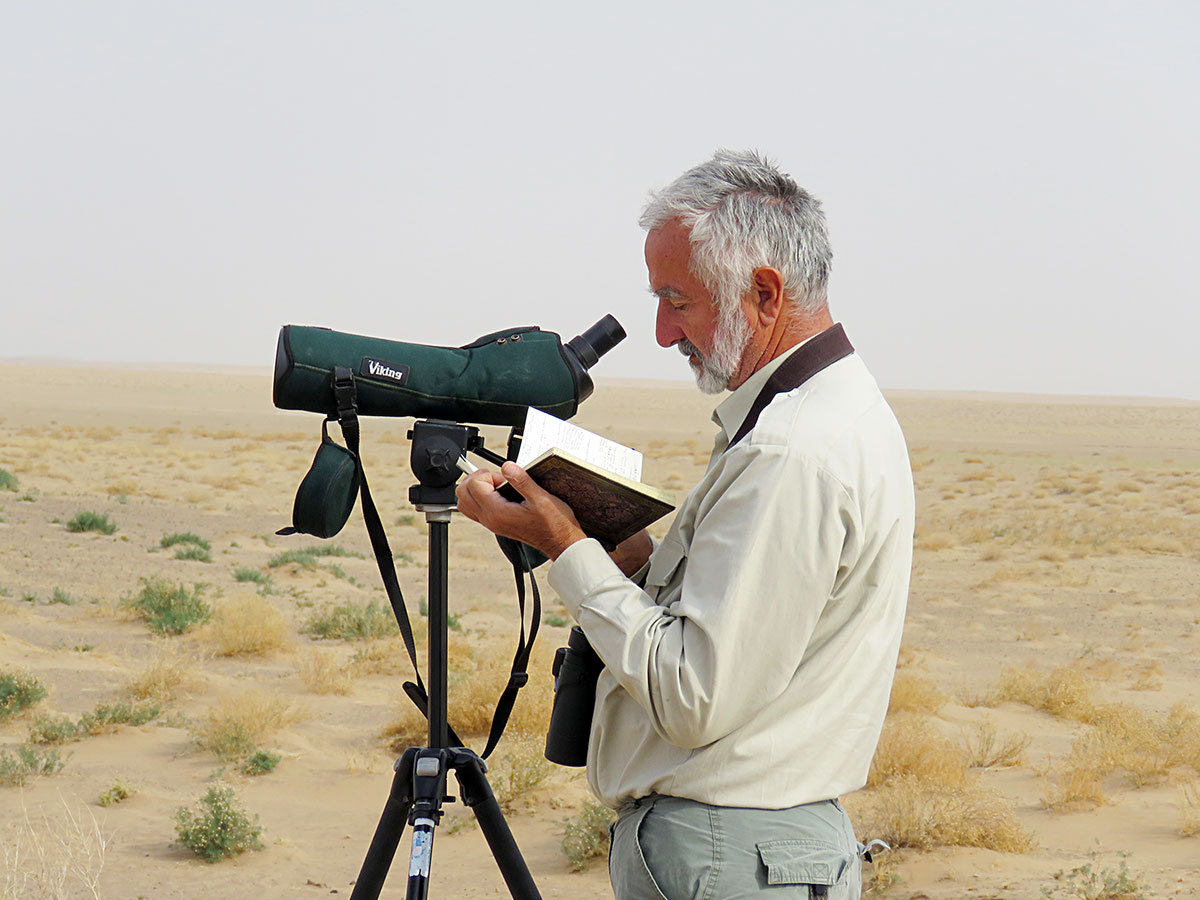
732,411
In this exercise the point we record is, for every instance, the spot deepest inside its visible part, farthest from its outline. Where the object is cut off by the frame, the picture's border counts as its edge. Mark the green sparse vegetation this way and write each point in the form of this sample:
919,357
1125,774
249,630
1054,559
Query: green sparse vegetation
307,557
168,608
185,537
118,793
217,828
555,621
1088,882
352,622
260,762
61,596
53,730
107,716
8,481
27,761
585,836
90,521
246,573
193,551
18,691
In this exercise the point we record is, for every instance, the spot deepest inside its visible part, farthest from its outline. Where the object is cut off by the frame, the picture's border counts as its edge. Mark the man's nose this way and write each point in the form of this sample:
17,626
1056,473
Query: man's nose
666,331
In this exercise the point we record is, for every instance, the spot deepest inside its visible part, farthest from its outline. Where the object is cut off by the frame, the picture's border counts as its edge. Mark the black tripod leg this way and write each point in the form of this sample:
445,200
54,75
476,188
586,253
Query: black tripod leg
387,834
477,794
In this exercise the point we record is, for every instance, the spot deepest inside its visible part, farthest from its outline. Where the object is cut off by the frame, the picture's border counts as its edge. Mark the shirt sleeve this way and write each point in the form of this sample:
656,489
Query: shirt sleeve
758,569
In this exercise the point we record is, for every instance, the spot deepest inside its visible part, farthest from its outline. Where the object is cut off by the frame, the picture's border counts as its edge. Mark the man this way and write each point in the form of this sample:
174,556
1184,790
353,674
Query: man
749,656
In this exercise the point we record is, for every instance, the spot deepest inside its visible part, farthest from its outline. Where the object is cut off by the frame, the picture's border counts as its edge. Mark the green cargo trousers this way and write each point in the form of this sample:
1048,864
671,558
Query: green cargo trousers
668,848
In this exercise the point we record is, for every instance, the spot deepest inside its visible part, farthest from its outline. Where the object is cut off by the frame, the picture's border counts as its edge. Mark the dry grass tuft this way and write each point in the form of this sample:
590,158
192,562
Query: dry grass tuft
1062,692
911,746
1146,748
248,626
984,749
914,693
477,677
54,859
912,812
239,724
1189,808
322,672
516,771
164,677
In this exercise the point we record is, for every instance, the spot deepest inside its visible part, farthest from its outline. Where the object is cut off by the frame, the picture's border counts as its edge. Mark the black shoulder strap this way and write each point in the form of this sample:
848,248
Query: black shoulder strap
345,396
344,392
819,353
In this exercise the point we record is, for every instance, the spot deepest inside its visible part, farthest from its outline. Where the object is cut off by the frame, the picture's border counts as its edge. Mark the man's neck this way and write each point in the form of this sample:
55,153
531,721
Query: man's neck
788,332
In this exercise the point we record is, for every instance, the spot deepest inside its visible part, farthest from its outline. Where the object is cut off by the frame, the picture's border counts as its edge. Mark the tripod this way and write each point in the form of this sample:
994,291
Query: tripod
419,786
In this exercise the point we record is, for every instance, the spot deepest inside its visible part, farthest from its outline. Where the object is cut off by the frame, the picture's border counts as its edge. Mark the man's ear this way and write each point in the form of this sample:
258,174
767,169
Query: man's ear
768,295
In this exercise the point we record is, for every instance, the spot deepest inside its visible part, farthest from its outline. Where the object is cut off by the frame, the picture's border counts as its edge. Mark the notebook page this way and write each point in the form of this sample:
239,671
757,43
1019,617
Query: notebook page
543,431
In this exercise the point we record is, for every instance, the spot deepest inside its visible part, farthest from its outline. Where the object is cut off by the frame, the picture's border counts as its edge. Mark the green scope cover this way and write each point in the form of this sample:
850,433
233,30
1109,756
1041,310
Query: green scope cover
491,381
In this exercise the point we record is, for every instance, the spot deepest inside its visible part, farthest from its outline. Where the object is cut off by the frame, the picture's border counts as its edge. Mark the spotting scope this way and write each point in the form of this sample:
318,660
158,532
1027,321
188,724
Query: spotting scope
490,381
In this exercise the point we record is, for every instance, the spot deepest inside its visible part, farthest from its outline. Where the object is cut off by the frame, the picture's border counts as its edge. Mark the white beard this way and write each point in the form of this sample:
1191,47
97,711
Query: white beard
715,371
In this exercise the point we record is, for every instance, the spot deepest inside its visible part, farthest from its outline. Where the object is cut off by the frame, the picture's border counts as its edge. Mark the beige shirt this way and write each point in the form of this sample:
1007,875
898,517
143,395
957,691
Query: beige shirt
754,667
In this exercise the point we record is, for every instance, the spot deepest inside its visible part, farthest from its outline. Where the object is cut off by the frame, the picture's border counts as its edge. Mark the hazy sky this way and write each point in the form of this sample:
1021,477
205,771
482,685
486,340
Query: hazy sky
1012,187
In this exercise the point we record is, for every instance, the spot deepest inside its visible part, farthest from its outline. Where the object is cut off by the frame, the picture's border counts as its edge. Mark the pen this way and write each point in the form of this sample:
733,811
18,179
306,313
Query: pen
467,466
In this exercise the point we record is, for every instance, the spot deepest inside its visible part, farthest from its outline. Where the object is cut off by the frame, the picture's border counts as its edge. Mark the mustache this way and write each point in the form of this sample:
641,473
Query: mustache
687,348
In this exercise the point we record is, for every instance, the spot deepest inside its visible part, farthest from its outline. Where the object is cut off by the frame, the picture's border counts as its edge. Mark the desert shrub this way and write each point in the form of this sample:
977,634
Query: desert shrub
913,812
352,622
306,557
53,730
185,537
90,521
984,749
8,481
18,691
914,693
585,836
163,677
168,608
516,771
243,574
25,761
217,828
260,762
118,793
191,551
107,717
1089,882
248,626
1063,692
322,673
58,595
911,746
239,724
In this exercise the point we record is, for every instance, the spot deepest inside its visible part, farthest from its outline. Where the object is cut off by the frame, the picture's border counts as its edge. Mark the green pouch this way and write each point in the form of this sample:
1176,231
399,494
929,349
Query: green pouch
491,381
326,496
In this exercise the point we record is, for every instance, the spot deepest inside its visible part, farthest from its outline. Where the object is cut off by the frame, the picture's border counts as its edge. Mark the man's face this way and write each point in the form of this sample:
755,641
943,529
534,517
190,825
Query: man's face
688,317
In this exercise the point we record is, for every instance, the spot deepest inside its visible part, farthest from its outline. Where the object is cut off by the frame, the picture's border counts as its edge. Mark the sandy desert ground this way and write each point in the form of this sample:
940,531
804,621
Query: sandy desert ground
1046,714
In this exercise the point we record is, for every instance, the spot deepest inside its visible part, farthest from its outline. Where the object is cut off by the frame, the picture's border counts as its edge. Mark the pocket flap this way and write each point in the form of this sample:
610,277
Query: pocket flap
803,862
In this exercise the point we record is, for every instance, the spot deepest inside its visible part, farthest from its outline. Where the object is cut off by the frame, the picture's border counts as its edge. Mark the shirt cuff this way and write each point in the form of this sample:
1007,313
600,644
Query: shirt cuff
579,570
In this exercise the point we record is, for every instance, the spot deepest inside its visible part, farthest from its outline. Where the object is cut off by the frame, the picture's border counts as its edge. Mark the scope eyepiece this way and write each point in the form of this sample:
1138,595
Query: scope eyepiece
596,341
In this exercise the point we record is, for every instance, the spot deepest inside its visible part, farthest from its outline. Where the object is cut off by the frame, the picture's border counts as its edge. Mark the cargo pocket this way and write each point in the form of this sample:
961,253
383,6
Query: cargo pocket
819,866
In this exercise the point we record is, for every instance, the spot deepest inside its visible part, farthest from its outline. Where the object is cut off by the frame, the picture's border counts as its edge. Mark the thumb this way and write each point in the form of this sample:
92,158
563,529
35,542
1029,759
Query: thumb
520,480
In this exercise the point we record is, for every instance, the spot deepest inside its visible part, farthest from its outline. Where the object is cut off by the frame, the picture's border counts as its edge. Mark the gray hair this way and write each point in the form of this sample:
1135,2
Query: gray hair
743,213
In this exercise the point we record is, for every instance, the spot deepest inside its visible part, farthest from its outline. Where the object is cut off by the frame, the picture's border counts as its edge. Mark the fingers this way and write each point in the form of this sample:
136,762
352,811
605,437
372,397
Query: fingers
520,480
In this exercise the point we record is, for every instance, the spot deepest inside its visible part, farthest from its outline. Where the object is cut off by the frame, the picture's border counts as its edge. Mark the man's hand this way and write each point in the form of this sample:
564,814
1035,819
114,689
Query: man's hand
631,554
541,520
